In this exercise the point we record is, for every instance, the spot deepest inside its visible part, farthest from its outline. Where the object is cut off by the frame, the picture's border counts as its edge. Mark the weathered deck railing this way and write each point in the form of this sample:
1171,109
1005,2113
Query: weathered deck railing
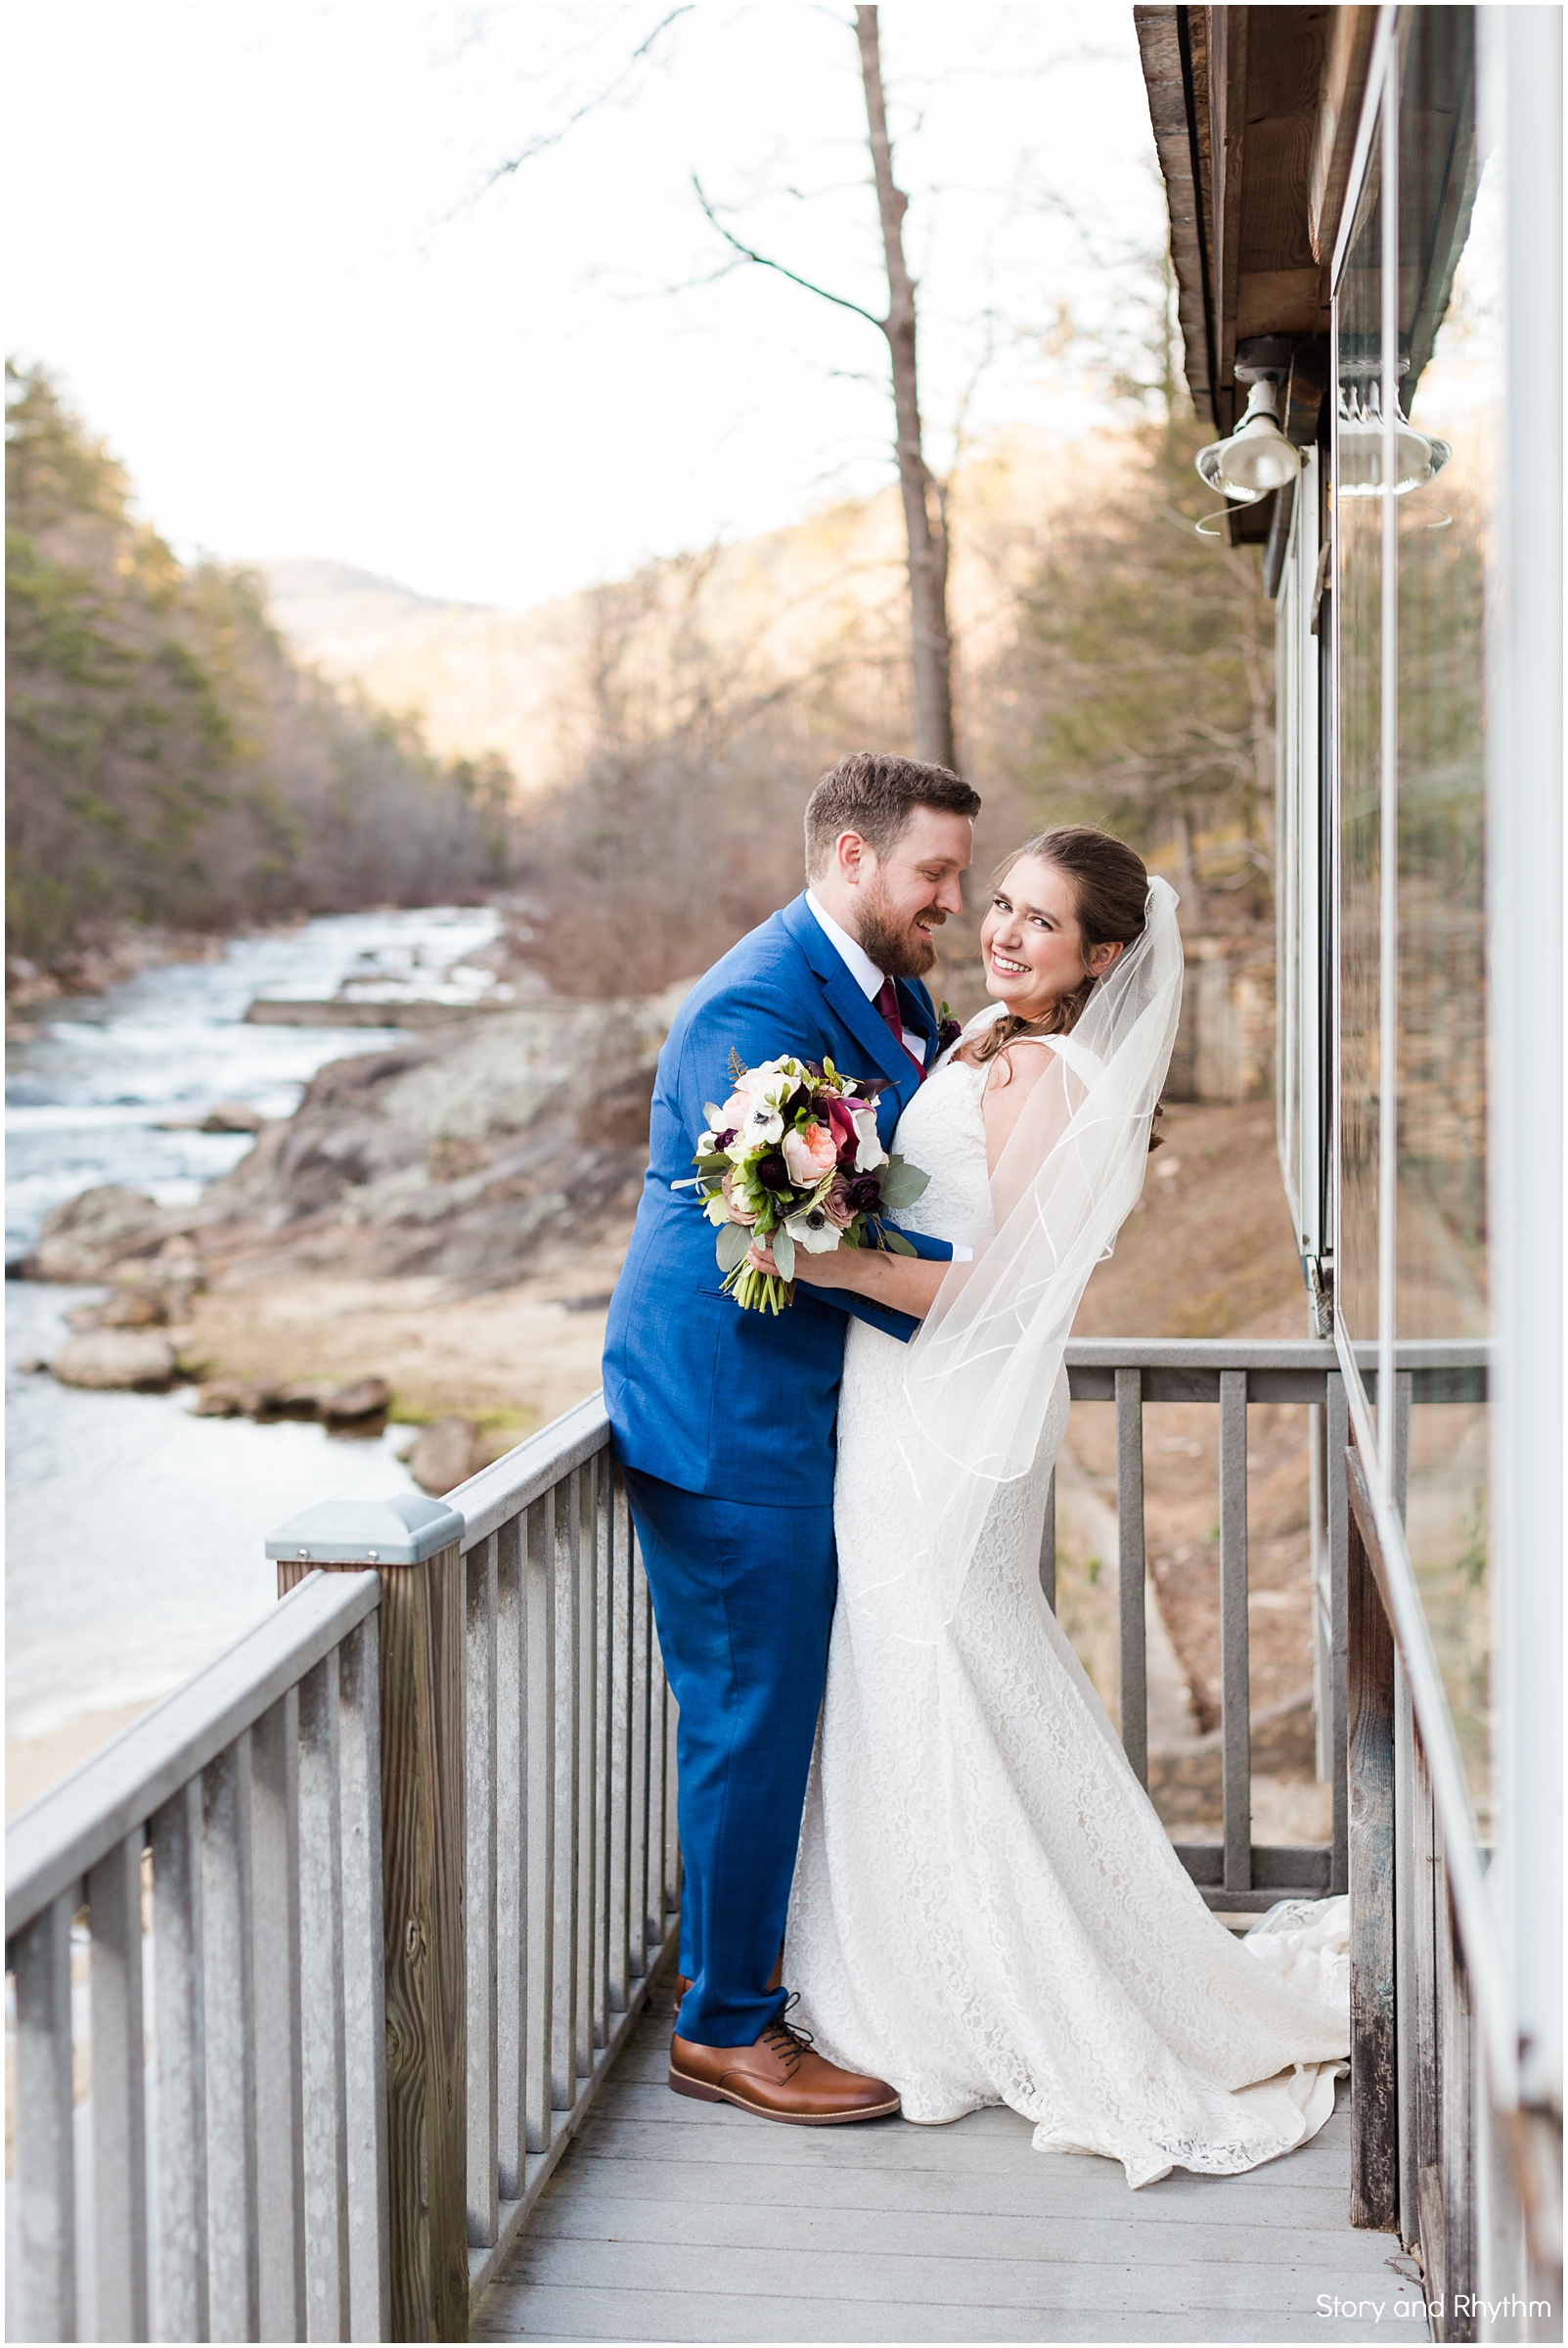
530,1865
393,1875
222,2175
1442,2152
1236,1873
572,1856
392,1945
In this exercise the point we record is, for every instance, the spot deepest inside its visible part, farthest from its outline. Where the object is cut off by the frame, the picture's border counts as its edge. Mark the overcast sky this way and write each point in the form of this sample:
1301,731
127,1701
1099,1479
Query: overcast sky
257,245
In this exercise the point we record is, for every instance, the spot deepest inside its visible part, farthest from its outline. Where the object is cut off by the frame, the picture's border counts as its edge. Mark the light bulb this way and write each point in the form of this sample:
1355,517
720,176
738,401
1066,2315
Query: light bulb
1257,457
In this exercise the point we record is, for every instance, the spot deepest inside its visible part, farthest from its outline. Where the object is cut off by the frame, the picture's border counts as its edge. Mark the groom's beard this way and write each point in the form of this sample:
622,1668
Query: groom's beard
898,949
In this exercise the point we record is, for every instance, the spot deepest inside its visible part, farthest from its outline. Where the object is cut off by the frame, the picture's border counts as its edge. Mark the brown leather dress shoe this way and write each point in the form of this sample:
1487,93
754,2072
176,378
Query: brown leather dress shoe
780,2078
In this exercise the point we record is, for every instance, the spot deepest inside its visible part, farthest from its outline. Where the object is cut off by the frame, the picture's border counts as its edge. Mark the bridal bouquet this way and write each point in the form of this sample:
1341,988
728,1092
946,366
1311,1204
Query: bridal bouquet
793,1158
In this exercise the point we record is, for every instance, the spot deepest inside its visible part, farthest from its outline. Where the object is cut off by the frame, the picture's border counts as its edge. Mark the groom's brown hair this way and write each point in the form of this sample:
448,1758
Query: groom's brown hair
875,795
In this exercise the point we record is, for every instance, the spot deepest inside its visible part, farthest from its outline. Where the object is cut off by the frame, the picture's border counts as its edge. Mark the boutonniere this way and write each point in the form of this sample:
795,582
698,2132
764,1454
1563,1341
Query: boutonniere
948,1029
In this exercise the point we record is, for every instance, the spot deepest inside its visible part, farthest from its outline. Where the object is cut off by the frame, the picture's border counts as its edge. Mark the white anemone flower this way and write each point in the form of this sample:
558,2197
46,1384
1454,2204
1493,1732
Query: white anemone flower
813,1231
763,1124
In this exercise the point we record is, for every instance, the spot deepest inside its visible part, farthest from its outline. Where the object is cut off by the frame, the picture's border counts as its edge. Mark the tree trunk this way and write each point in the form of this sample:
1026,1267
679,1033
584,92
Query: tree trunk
932,645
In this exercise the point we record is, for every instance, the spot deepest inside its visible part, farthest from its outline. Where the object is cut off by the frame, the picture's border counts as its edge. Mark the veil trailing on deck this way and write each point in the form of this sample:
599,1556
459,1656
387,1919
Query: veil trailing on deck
979,1374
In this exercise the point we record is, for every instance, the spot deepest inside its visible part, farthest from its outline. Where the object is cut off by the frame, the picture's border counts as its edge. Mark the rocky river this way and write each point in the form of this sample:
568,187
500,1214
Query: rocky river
135,1526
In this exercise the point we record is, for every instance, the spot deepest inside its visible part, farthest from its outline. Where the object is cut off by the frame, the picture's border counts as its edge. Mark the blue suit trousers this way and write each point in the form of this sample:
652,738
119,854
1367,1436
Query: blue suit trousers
743,1599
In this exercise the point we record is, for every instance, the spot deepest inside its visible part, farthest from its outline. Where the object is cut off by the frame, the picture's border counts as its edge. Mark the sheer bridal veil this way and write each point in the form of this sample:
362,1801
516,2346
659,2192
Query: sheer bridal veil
980,1372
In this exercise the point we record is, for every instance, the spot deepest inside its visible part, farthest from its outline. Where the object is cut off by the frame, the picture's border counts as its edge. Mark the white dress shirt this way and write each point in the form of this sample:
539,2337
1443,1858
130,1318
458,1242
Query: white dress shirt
865,972
871,981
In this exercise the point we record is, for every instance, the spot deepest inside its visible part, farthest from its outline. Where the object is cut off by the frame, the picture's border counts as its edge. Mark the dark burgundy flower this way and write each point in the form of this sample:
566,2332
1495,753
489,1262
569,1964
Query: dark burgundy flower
864,1195
772,1172
833,1110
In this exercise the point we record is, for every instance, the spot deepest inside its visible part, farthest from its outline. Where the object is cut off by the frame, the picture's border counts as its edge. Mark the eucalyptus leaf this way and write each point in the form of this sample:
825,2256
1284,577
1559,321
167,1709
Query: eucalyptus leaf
895,1243
901,1183
783,1253
731,1246
713,1114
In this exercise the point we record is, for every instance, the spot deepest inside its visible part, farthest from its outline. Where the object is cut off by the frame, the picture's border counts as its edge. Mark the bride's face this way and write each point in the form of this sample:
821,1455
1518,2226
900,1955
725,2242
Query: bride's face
1030,943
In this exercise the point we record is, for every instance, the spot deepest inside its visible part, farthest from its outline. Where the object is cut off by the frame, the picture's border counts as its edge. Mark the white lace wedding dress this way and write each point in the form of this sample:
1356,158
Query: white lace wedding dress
986,1907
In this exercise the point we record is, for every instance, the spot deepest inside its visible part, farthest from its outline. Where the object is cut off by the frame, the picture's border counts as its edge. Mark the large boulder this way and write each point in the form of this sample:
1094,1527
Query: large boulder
445,1454
471,1152
115,1358
361,1398
84,1239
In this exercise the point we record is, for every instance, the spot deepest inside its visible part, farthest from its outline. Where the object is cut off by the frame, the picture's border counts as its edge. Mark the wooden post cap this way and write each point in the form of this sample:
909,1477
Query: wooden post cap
403,1530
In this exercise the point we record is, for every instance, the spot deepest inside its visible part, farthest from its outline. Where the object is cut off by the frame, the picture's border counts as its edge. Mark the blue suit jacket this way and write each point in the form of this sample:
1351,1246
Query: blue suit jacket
742,1404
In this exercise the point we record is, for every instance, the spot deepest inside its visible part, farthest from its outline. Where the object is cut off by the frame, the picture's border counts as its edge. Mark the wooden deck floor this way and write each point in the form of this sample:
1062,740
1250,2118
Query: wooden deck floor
669,2220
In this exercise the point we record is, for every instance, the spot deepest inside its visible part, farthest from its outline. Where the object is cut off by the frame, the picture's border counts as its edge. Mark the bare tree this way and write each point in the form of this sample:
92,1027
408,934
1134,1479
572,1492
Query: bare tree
925,504
924,497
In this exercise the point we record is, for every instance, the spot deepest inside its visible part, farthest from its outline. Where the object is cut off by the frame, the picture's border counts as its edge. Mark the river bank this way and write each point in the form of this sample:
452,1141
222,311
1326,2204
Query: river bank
134,1527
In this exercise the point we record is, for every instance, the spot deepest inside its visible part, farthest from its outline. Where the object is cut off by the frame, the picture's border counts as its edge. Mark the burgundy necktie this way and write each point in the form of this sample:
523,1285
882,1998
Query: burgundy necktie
887,1004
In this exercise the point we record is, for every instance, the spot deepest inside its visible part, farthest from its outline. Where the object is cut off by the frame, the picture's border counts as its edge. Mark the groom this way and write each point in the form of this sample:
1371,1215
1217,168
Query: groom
722,1419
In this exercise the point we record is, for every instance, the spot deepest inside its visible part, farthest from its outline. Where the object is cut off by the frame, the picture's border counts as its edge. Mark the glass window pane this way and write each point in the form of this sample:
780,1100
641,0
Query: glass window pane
1289,881
1358,542
1449,286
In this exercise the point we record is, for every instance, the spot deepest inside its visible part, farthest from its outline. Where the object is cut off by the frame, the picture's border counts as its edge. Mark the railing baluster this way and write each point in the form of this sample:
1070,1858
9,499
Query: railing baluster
479,1896
636,1895
359,1818
119,2096
1455,2040
46,2198
541,1783
619,1732
1130,1567
234,2291
587,1739
1425,1906
275,1926
1404,1947
1403,1861
1374,2072
329,2312
1235,1727
511,1830
605,1740
1048,1545
1337,1411
180,2196
568,1632
654,1917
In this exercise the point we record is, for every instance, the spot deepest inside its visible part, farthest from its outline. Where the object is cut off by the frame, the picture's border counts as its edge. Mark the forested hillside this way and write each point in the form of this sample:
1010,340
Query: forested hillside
173,759
169,759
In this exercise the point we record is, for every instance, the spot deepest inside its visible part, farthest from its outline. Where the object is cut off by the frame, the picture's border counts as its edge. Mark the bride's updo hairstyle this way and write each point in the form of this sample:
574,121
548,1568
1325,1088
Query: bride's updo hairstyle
1110,893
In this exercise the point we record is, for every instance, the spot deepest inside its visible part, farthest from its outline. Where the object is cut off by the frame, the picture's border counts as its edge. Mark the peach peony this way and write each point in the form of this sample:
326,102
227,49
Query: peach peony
809,1151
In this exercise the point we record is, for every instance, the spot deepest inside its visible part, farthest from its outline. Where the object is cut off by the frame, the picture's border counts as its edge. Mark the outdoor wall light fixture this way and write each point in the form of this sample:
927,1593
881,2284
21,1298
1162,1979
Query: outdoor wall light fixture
1257,457
1419,457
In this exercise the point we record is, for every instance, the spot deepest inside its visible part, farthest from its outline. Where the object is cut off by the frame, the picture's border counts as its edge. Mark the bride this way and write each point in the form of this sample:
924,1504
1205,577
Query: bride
986,1907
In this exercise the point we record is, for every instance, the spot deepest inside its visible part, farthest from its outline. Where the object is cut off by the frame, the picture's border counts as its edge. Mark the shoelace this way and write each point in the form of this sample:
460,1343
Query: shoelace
788,2040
